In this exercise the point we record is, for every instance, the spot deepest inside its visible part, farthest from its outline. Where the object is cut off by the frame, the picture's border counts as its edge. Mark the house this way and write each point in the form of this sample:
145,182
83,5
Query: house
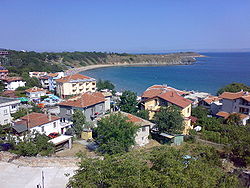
37,74
196,97
39,122
44,82
12,83
52,77
236,102
9,93
141,138
212,103
35,92
7,107
91,104
108,96
75,85
156,97
3,72
225,115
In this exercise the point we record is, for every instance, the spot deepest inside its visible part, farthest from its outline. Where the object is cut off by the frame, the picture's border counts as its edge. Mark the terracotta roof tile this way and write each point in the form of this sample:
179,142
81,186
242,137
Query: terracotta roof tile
34,89
12,79
75,77
53,74
225,115
231,96
247,98
176,99
36,119
211,99
84,100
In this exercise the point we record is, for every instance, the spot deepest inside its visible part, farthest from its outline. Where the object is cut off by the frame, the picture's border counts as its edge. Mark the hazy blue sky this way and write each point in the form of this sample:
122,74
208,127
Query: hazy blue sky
124,25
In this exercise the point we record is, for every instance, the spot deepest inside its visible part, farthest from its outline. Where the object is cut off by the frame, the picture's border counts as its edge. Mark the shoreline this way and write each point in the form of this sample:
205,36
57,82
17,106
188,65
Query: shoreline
98,66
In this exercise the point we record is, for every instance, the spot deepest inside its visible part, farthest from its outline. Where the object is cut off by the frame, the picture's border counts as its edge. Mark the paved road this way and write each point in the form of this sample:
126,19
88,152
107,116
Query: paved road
12,176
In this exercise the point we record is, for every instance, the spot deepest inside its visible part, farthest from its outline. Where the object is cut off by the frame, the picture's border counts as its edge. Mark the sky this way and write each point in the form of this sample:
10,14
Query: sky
125,25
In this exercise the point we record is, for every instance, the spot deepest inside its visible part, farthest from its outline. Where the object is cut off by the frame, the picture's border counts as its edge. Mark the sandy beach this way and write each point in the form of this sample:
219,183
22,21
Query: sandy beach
89,67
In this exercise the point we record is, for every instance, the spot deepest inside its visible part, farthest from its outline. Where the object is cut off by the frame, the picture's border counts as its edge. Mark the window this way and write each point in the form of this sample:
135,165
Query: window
188,110
156,102
13,106
93,83
54,124
68,112
5,112
5,121
143,129
42,129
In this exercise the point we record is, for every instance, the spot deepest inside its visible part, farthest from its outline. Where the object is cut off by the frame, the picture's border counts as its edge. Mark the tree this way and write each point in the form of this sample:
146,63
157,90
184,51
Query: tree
105,84
169,120
233,87
199,112
78,122
115,134
234,119
144,114
161,166
20,113
33,144
128,102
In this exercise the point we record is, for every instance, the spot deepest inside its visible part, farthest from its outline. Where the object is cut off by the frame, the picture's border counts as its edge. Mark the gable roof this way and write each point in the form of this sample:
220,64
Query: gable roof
211,99
36,119
12,79
84,100
176,99
247,98
155,90
75,78
231,96
34,89
225,115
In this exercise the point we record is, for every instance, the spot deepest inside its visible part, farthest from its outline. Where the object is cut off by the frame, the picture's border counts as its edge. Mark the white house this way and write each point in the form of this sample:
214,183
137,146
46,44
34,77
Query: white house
108,97
236,102
225,115
212,103
37,74
35,92
42,123
141,138
12,83
7,107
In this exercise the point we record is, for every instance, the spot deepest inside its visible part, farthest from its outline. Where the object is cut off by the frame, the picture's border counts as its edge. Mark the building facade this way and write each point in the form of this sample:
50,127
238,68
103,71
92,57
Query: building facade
7,107
91,104
156,97
12,83
35,93
3,73
75,85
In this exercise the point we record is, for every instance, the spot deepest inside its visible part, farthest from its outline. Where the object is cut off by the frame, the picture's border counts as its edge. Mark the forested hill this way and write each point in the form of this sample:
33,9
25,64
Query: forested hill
19,62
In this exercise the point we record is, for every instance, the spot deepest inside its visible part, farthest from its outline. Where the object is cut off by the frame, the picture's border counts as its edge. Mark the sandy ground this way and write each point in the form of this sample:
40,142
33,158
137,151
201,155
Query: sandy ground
13,176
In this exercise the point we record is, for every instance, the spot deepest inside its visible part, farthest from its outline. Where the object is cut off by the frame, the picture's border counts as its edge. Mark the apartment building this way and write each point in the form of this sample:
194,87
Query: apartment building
75,85
7,107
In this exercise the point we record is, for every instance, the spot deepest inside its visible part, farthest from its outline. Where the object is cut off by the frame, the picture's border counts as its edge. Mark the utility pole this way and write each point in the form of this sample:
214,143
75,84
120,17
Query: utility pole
42,179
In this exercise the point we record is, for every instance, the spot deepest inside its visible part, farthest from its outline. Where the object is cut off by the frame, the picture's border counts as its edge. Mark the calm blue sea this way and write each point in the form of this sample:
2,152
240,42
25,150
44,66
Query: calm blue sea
208,74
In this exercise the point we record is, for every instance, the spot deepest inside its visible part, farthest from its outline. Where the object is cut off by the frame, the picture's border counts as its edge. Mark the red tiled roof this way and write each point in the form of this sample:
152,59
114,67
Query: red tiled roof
4,71
72,77
176,99
43,77
231,96
193,119
84,100
9,93
35,119
225,115
211,99
12,79
247,98
34,89
53,74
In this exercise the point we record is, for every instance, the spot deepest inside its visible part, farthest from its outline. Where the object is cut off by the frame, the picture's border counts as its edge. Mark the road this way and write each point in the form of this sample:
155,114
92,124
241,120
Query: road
13,176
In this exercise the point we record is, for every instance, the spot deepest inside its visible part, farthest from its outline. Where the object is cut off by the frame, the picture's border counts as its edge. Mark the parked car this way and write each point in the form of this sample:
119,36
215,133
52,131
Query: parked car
53,135
6,147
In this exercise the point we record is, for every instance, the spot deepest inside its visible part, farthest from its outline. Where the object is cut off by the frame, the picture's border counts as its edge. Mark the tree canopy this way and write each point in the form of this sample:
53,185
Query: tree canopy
233,87
104,84
115,134
128,102
169,120
78,122
162,166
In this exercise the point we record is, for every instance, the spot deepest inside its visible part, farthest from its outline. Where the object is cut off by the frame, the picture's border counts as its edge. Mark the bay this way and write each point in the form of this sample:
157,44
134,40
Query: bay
208,74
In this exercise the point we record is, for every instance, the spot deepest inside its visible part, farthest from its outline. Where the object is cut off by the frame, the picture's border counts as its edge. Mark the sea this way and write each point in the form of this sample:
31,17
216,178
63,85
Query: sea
207,74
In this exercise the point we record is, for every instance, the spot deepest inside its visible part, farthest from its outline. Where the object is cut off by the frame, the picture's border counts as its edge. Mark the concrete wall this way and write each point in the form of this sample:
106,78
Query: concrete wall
67,89
14,85
141,137
48,128
67,111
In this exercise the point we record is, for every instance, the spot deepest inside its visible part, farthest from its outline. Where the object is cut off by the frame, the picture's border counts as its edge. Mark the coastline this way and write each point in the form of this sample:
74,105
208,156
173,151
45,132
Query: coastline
98,66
